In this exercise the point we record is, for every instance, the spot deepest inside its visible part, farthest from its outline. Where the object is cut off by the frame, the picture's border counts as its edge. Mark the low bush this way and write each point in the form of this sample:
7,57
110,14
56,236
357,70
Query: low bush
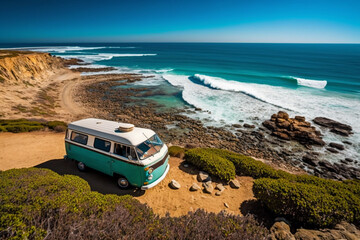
39,203
24,125
214,164
20,125
248,166
176,151
313,205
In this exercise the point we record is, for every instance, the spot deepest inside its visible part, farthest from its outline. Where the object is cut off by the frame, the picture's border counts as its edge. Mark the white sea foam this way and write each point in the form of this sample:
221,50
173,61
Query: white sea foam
297,101
310,82
90,58
230,101
88,66
63,49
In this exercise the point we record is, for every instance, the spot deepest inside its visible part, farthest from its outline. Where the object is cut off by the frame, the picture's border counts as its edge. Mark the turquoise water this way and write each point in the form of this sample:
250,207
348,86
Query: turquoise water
241,81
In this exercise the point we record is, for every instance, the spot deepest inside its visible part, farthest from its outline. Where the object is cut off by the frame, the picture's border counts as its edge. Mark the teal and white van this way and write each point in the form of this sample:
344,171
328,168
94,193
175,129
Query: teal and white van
134,156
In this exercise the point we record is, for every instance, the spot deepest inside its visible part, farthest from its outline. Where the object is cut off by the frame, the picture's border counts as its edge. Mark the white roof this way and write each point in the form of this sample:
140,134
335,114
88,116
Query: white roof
109,130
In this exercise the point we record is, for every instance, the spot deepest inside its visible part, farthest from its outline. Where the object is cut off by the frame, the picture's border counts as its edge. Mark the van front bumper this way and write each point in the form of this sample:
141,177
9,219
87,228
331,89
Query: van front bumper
146,187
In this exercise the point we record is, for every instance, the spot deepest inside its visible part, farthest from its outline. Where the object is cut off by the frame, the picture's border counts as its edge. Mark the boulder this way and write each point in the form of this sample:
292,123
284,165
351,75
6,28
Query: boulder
203,177
208,187
234,184
195,187
300,118
349,159
174,184
280,230
333,150
296,129
248,125
282,115
342,230
226,205
337,146
269,125
220,187
340,132
311,160
334,126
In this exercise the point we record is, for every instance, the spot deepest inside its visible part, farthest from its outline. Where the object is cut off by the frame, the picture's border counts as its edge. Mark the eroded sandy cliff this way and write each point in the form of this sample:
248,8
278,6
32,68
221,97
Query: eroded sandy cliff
27,67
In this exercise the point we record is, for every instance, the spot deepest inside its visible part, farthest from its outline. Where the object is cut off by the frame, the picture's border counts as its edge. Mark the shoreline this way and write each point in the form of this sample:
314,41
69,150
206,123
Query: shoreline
70,96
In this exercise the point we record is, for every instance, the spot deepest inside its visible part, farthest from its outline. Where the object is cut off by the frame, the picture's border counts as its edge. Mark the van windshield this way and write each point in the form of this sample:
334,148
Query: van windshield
149,147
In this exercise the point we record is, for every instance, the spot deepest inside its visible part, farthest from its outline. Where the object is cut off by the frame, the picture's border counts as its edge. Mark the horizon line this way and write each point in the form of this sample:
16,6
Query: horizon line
115,42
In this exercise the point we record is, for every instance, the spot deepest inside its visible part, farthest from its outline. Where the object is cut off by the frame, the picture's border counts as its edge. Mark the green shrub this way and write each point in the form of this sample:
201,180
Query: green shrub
306,199
20,125
176,151
211,162
248,166
307,203
24,125
38,203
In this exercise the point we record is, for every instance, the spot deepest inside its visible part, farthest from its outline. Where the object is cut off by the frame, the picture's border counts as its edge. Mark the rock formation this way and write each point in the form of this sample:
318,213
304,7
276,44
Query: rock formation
334,126
293,129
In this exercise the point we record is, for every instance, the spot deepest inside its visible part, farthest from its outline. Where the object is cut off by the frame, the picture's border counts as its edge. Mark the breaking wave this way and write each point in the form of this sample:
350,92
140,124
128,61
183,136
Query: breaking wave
105,56
64,49
310,83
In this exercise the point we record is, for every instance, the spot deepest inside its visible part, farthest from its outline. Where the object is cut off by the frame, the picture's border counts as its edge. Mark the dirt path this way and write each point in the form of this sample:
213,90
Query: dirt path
46,150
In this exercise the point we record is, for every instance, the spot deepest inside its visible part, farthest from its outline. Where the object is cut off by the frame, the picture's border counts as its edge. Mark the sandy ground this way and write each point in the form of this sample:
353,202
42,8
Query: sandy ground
46,150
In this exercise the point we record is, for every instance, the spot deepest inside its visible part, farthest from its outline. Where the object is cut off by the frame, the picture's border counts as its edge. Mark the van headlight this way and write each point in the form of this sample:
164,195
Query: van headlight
150,177
150,170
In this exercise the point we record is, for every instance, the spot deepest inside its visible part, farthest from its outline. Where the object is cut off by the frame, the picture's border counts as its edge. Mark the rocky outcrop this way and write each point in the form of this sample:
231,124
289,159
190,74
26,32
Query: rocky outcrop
280,230
343,230
293,129
334,126
27,67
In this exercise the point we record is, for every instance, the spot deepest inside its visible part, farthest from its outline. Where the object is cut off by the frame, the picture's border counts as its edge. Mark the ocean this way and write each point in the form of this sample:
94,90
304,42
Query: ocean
244,82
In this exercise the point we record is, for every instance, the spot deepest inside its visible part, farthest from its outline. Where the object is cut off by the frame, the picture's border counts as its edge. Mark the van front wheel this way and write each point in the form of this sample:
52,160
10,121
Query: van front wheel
81,166
122,183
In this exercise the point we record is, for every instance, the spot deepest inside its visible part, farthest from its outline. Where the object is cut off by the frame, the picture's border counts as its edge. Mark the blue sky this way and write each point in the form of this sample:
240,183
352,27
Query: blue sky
180,21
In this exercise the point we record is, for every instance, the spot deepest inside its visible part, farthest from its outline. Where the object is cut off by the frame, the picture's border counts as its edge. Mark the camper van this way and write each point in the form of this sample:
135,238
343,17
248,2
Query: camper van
134,156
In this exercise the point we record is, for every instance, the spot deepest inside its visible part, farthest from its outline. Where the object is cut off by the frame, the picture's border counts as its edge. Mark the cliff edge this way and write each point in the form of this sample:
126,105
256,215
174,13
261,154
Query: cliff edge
26,67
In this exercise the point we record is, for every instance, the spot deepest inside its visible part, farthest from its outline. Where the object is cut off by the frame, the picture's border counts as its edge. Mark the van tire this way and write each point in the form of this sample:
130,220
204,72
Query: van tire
122,182
81,166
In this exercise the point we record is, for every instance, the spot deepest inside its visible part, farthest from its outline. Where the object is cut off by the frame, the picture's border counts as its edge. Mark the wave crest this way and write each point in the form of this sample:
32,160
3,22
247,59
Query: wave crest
310,83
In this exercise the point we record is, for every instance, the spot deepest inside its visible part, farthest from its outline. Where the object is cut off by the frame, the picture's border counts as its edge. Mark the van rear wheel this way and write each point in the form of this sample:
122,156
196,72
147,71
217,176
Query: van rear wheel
81,166
122,182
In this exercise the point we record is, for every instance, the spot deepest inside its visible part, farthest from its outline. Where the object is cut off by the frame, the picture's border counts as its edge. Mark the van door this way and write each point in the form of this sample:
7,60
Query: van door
100,160
125,164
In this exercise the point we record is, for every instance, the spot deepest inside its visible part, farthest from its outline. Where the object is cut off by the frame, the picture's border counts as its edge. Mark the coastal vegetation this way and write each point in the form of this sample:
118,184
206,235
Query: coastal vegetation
25,125
176,151
38,203
306,200
214,164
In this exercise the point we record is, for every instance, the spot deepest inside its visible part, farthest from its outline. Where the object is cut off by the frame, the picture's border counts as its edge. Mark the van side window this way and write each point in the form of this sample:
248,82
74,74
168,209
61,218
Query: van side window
125,151
102,145
79,138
